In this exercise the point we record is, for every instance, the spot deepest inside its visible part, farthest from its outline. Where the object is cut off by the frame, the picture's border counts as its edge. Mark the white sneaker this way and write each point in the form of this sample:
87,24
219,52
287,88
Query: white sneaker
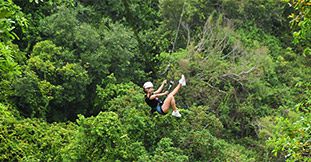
182,81
176,114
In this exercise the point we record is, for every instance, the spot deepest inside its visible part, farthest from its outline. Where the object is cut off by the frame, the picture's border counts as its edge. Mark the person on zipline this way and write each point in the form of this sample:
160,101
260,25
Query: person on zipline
151,97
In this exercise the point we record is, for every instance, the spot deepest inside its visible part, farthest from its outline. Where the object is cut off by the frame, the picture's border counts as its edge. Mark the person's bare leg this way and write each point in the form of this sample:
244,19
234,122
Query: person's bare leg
167,103
173,104
176,89
170,100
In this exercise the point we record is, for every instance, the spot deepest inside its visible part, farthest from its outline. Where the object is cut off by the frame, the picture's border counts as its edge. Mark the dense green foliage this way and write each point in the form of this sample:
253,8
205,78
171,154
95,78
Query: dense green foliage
71,73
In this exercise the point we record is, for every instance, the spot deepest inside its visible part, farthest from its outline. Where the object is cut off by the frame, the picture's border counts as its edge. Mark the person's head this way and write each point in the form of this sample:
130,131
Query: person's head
148,87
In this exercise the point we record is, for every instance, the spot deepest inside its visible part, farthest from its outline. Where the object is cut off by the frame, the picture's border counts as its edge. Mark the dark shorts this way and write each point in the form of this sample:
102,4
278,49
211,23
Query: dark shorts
159,109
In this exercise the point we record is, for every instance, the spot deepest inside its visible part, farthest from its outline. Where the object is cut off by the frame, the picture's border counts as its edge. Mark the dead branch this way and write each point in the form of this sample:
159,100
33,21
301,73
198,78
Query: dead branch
238,76
187,28
209,85
221,91
248,71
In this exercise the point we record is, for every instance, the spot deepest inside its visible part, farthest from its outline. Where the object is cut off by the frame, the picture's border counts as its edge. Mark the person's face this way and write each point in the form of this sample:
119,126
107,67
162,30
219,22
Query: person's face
150,89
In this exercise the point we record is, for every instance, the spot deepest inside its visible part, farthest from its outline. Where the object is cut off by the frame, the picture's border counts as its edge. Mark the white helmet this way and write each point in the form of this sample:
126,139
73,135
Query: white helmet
148,85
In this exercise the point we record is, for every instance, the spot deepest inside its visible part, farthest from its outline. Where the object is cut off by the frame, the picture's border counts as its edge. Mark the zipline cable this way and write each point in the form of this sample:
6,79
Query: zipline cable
168,67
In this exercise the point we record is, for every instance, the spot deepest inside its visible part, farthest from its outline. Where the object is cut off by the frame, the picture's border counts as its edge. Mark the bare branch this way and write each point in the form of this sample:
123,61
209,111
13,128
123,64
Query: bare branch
237,76
187,28
207,34
179,23
248,71
221,91
200,75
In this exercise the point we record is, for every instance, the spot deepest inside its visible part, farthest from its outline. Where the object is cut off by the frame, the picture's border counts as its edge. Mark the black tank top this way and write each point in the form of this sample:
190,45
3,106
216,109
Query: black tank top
152,103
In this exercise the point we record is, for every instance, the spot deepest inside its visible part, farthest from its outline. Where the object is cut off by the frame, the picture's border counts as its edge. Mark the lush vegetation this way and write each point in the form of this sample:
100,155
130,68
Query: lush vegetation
71,75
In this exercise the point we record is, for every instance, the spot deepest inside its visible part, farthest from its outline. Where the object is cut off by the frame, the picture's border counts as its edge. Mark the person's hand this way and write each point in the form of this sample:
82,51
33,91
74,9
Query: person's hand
164,81
166,92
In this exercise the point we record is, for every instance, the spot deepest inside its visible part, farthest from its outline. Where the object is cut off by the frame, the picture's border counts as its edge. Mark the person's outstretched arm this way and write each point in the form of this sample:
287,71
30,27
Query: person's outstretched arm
158,95
161,87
